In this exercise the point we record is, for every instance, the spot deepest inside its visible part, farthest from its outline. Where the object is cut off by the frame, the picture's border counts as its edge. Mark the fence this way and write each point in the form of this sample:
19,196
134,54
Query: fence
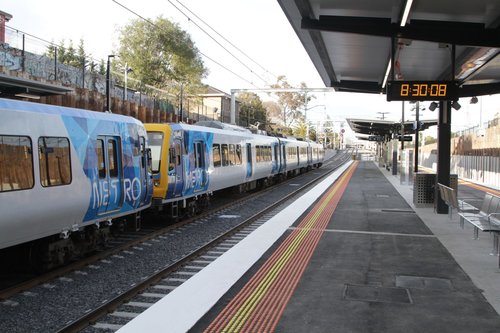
27,54
478,168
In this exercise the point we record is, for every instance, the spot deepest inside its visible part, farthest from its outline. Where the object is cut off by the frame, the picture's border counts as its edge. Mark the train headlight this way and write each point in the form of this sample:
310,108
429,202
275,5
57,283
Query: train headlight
156,183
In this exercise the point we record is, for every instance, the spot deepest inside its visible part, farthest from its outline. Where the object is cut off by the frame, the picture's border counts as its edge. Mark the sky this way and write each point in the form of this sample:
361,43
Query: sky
259,28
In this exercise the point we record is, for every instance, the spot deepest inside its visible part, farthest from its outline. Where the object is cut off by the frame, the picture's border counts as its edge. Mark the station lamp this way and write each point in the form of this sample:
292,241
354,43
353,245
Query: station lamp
456,105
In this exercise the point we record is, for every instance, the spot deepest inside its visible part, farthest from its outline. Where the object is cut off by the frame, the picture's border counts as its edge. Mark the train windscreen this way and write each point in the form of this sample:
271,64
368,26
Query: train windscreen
155,140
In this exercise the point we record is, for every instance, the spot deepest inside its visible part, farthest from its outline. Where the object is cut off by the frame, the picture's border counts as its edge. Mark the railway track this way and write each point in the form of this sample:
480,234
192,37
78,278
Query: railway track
106,310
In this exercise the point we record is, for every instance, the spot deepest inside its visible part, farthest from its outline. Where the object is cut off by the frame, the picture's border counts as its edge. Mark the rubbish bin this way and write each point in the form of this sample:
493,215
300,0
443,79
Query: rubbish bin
424,188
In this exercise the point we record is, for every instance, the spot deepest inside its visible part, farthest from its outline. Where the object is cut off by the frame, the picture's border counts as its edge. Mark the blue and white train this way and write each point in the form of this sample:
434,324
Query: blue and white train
190,162
66,175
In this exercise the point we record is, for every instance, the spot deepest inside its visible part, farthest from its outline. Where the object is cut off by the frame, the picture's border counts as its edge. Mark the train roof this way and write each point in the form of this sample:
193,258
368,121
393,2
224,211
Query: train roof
222,126
23,106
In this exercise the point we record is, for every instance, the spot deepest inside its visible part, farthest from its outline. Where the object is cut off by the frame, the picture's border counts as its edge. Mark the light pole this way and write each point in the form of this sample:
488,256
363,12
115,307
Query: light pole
305,118
127,70
108,71
417,128
383,114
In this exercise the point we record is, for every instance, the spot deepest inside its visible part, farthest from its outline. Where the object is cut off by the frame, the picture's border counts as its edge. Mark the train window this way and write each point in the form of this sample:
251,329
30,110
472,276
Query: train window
178,153
171,159
198,155
55,161
16,163
232,155
225,155
112,158
238,154
155,141
216,155
101,166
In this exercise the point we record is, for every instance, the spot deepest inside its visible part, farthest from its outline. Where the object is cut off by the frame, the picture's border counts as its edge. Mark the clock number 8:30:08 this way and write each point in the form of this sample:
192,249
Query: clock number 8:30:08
423,89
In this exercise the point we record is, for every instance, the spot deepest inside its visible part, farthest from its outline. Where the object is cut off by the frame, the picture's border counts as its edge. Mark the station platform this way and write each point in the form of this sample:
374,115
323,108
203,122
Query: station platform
351,255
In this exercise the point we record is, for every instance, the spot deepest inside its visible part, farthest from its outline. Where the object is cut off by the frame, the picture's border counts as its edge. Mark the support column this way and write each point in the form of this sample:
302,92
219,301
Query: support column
443,163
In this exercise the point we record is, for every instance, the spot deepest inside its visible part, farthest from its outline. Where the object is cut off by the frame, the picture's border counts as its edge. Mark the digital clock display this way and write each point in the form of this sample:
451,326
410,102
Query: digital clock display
421,91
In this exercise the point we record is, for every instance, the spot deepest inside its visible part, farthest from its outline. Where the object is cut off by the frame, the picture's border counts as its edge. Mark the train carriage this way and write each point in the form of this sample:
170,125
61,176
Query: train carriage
317,154
294,156
64,169
190,162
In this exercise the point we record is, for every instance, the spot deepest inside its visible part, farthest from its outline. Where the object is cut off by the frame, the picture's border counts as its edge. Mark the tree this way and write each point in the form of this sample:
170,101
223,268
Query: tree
429,140
161,55
251,110
291,102
68,55
299,130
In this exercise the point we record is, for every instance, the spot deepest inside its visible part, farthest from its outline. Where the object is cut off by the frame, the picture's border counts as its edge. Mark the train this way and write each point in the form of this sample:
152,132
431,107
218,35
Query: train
68,176
191,162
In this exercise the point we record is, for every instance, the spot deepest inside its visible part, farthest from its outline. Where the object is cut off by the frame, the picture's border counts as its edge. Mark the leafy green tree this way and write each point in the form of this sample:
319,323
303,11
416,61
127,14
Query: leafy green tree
429,140
62,53
68,55
312,134
102,68
299,130
161,55
292,103
252,110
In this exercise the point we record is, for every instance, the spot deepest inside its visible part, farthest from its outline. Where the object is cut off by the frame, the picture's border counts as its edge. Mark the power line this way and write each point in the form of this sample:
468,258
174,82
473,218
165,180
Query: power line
221,36
216,41
204,55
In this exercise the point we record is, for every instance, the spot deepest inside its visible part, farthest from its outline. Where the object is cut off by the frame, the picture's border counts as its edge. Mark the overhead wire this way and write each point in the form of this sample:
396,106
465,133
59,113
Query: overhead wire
201,53
221,36
218,43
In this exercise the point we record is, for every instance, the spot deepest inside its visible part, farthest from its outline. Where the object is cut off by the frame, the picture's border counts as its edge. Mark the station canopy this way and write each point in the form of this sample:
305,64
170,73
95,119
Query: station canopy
384,130
352,42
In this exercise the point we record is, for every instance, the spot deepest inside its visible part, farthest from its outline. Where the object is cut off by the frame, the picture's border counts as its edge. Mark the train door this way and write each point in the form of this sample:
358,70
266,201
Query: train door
176,176
145,184
199,167
275,159
249,160
283,158
110,188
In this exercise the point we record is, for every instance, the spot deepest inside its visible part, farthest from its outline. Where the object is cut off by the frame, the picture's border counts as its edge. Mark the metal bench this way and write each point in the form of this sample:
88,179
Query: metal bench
486,220
449,196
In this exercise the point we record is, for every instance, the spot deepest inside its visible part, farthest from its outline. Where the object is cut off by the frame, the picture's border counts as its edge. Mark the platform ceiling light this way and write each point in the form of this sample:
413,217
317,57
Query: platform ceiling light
433,106
387,71
406,12
456,105
473,100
